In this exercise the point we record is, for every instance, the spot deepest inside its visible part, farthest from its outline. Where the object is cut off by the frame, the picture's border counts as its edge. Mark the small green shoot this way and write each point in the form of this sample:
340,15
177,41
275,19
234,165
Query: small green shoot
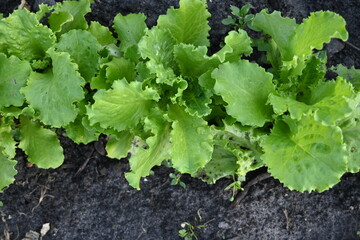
235,186
188,231
241,17
176,180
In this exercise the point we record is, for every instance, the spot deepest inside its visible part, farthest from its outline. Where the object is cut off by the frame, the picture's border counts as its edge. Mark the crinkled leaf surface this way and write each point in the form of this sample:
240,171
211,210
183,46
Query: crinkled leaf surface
313,73
236,44
102,33
80,130
123,106
245,87
119,144
13,76
351,131
188,24
77,9
196,100
328,101
157,45
192,141
8,172
40,145
130,29
22,35
305,155
143,160
316,30
352,139
331,99
246,161
54,92
58,19
222,164
193,61
83,48
117,68
281,29
299,40
43,10
281,104
7,142
350,74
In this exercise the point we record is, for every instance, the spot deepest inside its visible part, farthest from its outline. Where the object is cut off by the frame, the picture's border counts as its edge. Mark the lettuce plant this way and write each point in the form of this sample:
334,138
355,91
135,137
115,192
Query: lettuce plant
158,94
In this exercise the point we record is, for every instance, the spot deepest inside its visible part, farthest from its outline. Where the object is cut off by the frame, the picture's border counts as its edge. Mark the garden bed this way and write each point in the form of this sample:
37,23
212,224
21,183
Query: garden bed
88,197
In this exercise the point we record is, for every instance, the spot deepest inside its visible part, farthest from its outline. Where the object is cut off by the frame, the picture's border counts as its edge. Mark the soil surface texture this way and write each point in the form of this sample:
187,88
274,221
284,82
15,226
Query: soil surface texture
96,202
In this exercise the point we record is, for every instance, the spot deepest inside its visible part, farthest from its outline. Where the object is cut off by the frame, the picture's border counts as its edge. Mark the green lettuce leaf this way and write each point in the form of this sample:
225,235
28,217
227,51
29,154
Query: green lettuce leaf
123,106
188,24
81,43
70,15
157,46
40,145
245,86
299,40
80,130
143,160
130,29
222,164
352,139
236,44
316,30
119,144
328,101
58,19
192,141
305,155
102,33
351,131
7,142
313,73
350,74
295,42
281,29
8,172
22,35
193,61
196,100
53,93
13,75
117,68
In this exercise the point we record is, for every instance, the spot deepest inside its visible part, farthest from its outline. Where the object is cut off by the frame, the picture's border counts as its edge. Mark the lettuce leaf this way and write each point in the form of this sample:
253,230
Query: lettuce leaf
23,36
13,75
188,24
192,141
305,155
80,43
245,86
53,94
143,160
129,99
34,137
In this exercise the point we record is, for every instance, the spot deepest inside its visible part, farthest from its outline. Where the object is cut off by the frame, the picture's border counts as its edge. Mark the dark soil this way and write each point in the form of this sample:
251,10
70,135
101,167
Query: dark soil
97,203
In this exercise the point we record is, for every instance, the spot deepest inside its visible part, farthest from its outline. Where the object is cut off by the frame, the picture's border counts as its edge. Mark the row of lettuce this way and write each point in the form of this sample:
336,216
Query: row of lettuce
158,94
